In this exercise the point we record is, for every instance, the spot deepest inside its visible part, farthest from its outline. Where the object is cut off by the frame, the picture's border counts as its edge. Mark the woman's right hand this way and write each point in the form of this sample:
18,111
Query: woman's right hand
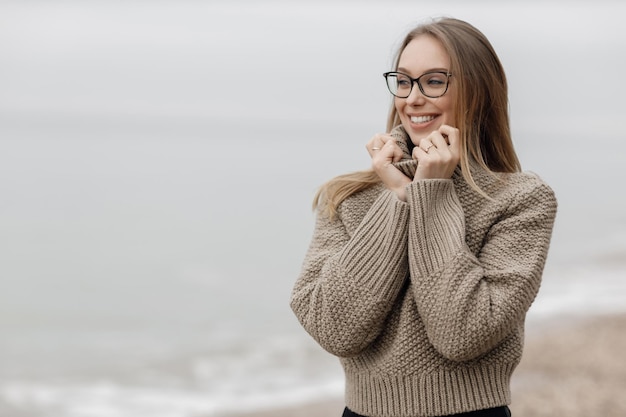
384,150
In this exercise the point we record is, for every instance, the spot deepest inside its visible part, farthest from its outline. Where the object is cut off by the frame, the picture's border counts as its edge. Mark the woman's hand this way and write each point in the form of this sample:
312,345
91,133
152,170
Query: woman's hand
384,151
438,154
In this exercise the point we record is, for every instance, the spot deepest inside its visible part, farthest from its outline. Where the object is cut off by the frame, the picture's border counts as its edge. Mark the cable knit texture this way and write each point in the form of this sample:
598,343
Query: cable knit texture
424,301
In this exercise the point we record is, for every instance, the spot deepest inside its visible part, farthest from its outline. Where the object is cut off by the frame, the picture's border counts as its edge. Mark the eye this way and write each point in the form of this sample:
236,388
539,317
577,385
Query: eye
403,81
435,80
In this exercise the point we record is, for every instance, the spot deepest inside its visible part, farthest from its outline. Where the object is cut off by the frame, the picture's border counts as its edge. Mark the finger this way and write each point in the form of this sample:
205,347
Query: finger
374,144
439,141
452,134
390,148
396,152
425,144
388,153
419,154
386,138
454,138
377,142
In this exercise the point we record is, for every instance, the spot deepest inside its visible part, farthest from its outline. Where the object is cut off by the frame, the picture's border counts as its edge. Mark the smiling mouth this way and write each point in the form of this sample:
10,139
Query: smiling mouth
422,119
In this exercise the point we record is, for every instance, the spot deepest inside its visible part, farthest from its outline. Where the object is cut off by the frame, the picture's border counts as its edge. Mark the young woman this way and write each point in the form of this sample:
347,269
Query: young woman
421,270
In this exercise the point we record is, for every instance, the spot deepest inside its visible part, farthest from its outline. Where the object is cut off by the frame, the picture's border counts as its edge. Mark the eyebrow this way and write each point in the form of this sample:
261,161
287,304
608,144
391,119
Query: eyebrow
405,70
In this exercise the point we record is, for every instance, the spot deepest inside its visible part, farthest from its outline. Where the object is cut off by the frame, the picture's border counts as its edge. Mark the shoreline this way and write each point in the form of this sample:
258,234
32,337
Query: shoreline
572,365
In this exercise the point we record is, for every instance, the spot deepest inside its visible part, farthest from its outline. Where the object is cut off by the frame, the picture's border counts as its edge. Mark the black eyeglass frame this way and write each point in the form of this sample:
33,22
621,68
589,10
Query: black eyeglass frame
418,82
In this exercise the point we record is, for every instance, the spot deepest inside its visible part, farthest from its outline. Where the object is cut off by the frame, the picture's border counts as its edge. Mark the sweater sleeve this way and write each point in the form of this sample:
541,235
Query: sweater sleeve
349,283
470,303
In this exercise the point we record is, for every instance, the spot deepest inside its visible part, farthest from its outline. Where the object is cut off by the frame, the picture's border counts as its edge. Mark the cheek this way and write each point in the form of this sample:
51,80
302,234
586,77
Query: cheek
399,104
447,108
450,115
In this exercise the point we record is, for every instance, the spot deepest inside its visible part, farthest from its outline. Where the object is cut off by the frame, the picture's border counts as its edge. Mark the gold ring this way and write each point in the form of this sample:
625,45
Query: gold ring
428,149
374,148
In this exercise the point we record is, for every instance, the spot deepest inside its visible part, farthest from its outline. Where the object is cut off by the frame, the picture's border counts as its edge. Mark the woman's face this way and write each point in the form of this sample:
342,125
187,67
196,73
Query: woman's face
421,115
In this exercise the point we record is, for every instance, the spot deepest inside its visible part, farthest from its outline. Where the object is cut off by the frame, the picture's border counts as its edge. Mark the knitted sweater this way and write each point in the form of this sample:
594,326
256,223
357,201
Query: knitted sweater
424,301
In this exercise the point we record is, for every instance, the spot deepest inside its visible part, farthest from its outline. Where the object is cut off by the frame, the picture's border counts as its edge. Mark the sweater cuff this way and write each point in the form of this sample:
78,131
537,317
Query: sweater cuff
436,225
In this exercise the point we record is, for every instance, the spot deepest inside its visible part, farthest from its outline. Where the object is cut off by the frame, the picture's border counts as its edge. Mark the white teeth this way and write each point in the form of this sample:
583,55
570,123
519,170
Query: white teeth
421,119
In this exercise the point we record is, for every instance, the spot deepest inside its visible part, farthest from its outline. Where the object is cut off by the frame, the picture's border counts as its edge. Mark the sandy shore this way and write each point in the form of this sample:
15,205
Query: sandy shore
575,369
571,367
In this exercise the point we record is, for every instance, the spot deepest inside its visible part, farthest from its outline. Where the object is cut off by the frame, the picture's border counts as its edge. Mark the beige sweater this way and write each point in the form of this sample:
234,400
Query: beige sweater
424,301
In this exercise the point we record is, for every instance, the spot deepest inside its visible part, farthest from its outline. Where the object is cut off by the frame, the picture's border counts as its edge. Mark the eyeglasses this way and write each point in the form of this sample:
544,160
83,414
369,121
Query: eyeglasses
432,84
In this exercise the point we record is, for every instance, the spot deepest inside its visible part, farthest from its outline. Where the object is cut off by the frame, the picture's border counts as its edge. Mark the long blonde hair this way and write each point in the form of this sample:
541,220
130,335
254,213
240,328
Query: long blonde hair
481,105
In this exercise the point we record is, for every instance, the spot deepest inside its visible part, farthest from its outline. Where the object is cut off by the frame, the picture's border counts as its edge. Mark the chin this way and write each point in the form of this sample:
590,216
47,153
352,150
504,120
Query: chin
417,136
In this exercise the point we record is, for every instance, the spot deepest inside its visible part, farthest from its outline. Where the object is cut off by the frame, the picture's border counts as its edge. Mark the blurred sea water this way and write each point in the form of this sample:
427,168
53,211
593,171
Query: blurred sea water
158,162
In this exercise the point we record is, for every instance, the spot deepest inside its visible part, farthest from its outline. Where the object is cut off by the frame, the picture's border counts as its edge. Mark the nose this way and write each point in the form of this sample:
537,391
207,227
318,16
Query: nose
416,97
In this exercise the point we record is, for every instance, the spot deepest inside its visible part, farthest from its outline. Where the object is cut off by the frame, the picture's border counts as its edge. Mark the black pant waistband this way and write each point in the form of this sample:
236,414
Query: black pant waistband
489,412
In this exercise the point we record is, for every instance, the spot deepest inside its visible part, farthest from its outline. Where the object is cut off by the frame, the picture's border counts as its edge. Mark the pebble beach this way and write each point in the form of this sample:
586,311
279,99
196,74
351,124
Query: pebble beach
572,366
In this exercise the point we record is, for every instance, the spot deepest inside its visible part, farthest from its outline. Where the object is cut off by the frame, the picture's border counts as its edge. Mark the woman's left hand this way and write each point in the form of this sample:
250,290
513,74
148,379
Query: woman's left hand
438,154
